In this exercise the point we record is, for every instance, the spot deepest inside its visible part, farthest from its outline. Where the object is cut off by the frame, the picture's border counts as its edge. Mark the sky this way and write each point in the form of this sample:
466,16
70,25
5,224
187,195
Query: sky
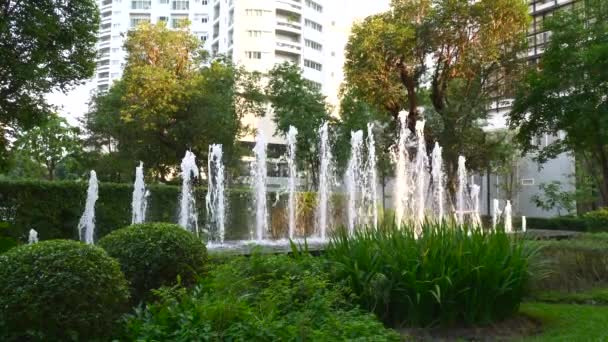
74,104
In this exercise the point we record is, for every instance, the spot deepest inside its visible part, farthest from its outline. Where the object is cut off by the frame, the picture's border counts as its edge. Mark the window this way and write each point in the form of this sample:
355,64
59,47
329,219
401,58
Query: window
313,65
137,19
103,63
205,2
164,19
180,5
116,25
164,2
103,75
527,181
253,54
254,33
115,50
204,37
202,18
178,21
141,4
106,14
313,25
254,12
316,85
315,6
115,62
313,45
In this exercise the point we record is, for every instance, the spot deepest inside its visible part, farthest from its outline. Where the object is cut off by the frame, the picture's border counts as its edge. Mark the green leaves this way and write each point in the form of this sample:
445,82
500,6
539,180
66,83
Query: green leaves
46,45
449,275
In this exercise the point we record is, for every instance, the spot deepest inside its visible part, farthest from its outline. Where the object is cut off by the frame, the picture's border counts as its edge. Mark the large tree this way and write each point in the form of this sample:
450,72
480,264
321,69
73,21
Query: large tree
49,144
568,91
297,102
45,45
171,99
452,55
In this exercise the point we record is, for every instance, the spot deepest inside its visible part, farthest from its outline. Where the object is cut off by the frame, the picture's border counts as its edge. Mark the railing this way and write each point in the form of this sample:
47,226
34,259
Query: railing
288,24
288,45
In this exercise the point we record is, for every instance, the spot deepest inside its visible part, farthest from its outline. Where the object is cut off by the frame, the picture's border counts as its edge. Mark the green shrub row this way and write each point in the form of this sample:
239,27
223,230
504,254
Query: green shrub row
571,223
572,265
54,208
448,275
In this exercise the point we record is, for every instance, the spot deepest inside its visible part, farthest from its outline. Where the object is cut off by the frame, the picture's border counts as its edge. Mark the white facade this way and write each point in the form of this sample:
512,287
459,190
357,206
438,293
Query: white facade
118,16
256,34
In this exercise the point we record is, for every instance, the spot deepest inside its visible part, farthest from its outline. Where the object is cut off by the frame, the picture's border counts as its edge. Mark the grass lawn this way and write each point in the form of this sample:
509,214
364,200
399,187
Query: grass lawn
568,322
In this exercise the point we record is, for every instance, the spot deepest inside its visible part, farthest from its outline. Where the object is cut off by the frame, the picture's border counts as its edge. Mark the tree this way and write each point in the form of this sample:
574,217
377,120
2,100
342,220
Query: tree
297,102
49,144
567,93
45,45
554,198
465,50
172,98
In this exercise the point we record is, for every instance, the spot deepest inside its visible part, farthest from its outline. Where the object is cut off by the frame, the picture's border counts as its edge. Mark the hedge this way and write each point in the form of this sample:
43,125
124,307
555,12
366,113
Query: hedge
572,223
54,208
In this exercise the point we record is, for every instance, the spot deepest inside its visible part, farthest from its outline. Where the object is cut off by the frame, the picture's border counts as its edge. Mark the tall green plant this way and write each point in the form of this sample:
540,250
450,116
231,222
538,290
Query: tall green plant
448,275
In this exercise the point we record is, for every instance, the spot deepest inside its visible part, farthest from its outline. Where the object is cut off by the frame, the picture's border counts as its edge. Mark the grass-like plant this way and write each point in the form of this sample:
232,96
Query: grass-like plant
448,275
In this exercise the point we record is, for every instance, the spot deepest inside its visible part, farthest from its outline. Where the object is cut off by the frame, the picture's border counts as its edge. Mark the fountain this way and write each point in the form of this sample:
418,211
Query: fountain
139,203
438,178
214,200
33,238
291,163
353,179
460,195
188,217
86,225
495,213
325,181
419,176
475,215
508,221
259,173
402,188
371,191
523,224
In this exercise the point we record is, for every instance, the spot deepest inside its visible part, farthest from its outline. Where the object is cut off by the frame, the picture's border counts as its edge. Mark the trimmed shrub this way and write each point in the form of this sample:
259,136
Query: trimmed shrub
262,298
597,220
572,265
152,255
448,275
60,290
571,223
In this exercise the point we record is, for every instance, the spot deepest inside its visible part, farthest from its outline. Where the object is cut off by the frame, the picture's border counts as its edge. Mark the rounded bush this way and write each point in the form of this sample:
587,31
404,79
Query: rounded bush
60,290
152,255
597,220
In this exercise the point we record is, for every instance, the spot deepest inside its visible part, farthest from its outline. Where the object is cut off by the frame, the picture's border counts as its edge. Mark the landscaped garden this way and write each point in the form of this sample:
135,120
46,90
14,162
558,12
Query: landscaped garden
158,282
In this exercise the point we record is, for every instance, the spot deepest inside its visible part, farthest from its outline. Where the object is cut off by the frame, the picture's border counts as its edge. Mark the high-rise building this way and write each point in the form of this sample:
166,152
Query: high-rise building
529,174
119,16
256,34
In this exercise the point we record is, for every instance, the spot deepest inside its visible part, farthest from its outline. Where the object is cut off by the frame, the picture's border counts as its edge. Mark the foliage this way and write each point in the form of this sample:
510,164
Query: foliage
448,275
454,47
49,144
554,198
568,92
172,98
572,223
297,102
504,156
46,45
59,290
54,208
263,298
597,220
152,255
573,265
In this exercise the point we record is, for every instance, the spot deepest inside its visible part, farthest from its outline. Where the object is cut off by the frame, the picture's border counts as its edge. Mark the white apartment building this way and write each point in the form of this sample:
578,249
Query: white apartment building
256,34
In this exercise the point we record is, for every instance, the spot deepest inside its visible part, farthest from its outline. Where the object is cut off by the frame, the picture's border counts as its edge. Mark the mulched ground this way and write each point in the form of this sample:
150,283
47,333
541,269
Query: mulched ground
506,330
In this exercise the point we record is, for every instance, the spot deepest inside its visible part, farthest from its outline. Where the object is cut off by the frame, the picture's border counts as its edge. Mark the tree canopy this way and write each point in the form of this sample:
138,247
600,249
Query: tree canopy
45,45
568,91
297,102
172,98
450,57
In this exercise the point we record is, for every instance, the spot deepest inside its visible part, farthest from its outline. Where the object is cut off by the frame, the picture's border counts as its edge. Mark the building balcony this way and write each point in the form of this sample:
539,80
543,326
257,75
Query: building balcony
289,6
288,46
292,27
